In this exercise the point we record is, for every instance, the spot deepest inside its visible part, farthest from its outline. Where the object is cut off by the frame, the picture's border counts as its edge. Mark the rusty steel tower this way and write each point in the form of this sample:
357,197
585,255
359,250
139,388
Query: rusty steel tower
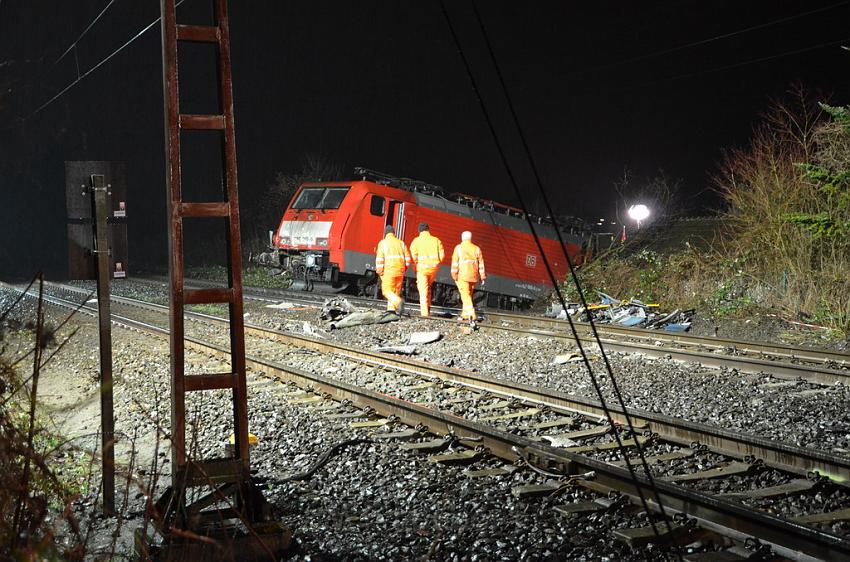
212,509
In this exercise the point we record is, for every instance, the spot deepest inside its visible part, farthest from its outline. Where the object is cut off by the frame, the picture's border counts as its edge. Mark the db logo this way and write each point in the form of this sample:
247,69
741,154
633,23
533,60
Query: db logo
530,260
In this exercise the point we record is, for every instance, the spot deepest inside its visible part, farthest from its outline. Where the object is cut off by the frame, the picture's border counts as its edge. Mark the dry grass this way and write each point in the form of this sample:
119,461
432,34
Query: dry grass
789,217
46,478
35,503
787,241
684,279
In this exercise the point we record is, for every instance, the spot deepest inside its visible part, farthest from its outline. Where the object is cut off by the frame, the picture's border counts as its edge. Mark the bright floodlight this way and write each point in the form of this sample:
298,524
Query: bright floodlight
638,212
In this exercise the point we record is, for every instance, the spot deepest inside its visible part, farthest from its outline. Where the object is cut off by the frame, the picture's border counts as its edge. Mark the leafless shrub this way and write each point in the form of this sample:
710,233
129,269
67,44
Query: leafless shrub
32,496
49,484
265,213
789,215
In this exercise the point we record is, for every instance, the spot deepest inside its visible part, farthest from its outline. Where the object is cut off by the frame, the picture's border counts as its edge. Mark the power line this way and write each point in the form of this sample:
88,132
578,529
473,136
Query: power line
80,77
77,40
538,180
73,45
739,64
722,36
553,279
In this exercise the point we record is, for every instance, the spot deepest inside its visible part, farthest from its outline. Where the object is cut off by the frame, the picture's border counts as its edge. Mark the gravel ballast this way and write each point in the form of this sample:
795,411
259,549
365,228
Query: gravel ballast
371,502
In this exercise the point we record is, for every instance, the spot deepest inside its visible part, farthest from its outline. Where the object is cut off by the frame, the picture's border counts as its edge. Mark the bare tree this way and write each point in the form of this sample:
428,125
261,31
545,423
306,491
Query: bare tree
266,213
661,193
796,117
789,208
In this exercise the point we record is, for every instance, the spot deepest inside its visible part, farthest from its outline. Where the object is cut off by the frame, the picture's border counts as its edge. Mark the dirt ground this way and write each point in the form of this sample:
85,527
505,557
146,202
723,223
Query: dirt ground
767,326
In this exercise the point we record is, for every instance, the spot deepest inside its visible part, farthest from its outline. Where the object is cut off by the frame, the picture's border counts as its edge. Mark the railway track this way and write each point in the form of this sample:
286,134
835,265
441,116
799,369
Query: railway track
508,417
818,366
783,362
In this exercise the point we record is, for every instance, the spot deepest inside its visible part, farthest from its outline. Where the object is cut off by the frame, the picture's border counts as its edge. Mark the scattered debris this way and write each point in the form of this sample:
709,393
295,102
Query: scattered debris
308,329
629,313
607,299
252,439
230,445
422,338
409,347
283,305
364,318
400,349
632,320
335,308
338,313
559,441
566,358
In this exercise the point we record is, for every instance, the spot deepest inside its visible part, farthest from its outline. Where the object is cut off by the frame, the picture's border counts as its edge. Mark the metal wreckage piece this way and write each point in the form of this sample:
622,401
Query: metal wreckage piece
628,313
338,313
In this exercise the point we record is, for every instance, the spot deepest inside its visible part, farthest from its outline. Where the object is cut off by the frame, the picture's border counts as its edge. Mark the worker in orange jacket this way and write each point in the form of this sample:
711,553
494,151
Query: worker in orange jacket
467,269
427,253
391,261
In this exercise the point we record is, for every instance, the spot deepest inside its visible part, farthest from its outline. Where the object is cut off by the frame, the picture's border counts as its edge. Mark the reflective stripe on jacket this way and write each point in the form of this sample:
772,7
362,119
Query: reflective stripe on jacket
427,252
468,263
392,257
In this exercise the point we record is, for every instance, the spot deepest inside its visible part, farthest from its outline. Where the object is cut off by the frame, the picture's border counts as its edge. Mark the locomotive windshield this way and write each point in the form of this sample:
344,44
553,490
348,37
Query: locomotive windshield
320,198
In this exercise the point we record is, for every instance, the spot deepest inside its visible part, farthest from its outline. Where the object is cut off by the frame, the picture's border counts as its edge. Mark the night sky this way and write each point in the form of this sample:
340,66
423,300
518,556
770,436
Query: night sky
598,86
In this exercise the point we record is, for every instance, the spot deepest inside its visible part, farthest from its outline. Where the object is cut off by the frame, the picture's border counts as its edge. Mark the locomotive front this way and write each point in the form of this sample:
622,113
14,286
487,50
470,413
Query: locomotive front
304,237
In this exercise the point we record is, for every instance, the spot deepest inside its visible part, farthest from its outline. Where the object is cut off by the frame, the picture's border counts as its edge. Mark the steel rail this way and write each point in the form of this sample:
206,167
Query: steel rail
728,442
824,375
786,536
712,511
749,365
813,355
731,443
744,346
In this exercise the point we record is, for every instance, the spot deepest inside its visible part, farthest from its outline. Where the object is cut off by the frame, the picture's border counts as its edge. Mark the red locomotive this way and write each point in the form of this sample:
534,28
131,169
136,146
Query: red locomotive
330,231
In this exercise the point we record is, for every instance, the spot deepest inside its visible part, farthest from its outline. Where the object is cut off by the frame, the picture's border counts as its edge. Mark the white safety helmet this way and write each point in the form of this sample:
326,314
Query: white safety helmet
466,235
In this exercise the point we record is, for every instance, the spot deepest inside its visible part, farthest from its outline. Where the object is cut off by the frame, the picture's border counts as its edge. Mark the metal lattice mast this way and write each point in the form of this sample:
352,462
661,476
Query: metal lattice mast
232,517
183,472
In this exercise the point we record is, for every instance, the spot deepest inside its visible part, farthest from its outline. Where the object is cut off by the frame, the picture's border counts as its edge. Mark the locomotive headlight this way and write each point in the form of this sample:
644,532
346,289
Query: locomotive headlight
284,240
313,261
321,241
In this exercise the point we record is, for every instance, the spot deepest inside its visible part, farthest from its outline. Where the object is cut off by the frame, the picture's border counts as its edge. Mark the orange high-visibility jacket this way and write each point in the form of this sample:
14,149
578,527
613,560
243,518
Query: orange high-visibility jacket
392,257
468,263
427,252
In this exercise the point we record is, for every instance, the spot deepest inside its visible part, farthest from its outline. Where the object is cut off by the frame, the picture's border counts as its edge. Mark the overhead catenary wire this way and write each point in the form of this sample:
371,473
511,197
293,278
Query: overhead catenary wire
73,45
721,68
737,64
81,77
722,36
615,386
548,267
